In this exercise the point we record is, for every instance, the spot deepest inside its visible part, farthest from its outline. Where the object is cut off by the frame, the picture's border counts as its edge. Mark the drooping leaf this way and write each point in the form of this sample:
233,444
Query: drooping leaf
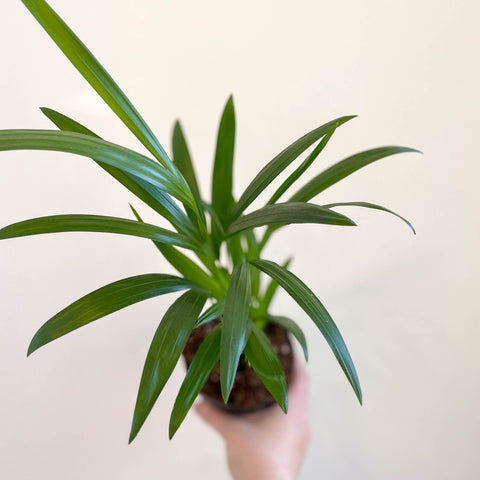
280,163
188,268
109,153
370,205
182,159
234,327
270,291
264,361
96,76
292,327
312,306
95,223
302,168
342,169
145,191
105,300
287,213
212,313
202,365
165,350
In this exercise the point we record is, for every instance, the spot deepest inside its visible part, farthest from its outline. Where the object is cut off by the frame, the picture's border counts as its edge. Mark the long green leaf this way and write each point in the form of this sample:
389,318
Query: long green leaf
302,168
96,75
202,365
286,213
342,169
370,205
212,313
312,306
110,153
95,223
264,361
165,350
105,300
292,327
280,163
182,159
222,181
235,319
188,268
150,194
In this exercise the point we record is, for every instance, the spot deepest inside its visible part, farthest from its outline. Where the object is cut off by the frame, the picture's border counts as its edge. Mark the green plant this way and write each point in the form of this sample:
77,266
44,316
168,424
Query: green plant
219,234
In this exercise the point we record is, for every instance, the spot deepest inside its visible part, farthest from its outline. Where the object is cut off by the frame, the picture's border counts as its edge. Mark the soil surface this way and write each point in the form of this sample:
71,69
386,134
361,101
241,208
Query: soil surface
248,393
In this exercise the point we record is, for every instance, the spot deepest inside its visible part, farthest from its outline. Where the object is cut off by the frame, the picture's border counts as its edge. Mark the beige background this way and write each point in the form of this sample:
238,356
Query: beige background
407,306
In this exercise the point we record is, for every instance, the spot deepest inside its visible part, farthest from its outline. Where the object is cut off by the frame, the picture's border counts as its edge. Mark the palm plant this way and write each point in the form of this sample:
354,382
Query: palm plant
228,261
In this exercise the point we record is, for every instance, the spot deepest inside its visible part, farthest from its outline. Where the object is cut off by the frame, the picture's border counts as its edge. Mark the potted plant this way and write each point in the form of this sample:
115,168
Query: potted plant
222,321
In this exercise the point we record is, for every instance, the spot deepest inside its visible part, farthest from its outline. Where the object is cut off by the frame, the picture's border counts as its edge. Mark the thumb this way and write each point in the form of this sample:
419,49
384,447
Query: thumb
217,419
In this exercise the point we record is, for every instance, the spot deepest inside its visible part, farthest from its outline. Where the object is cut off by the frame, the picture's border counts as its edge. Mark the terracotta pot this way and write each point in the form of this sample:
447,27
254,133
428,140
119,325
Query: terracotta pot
248,394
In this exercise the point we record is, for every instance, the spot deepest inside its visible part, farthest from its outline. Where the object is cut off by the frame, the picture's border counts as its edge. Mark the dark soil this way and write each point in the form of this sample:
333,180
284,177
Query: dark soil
248,393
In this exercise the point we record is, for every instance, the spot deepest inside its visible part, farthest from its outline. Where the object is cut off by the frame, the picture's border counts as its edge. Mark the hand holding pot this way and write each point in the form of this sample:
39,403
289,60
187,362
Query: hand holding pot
266,445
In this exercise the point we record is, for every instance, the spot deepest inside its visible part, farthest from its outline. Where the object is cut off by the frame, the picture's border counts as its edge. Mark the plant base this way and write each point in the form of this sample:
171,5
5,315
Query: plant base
248,394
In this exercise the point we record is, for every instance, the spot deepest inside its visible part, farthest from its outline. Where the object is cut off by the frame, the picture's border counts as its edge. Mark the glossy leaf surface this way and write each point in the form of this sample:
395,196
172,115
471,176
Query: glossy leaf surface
202,365
105,300
272,287
184,265
294,176
234,327
264,361
280,163
213,312
182,159
292,327
312,306
343,169
222,180
94,223
95,75
155,198
287,213
110,153
165,350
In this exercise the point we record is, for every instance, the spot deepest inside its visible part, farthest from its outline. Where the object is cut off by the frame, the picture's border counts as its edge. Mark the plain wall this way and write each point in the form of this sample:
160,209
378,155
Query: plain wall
406,305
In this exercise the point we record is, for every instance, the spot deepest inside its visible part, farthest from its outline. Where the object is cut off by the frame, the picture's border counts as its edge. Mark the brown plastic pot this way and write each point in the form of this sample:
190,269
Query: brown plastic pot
248,393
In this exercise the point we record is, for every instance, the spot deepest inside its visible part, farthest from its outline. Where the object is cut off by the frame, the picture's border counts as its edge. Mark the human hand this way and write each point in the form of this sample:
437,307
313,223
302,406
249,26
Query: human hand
266,445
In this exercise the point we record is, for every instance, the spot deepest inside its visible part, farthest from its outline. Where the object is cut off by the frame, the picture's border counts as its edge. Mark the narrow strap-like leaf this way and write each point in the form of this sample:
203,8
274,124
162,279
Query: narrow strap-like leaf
264,361
155,198
302,168
95,75
95,223
280,163
342,169
165,350
270,291
202,365
110,153
222,181
292,327
235,319
188,268
105,300
287,213
370,205
182,159
312,306
212,313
